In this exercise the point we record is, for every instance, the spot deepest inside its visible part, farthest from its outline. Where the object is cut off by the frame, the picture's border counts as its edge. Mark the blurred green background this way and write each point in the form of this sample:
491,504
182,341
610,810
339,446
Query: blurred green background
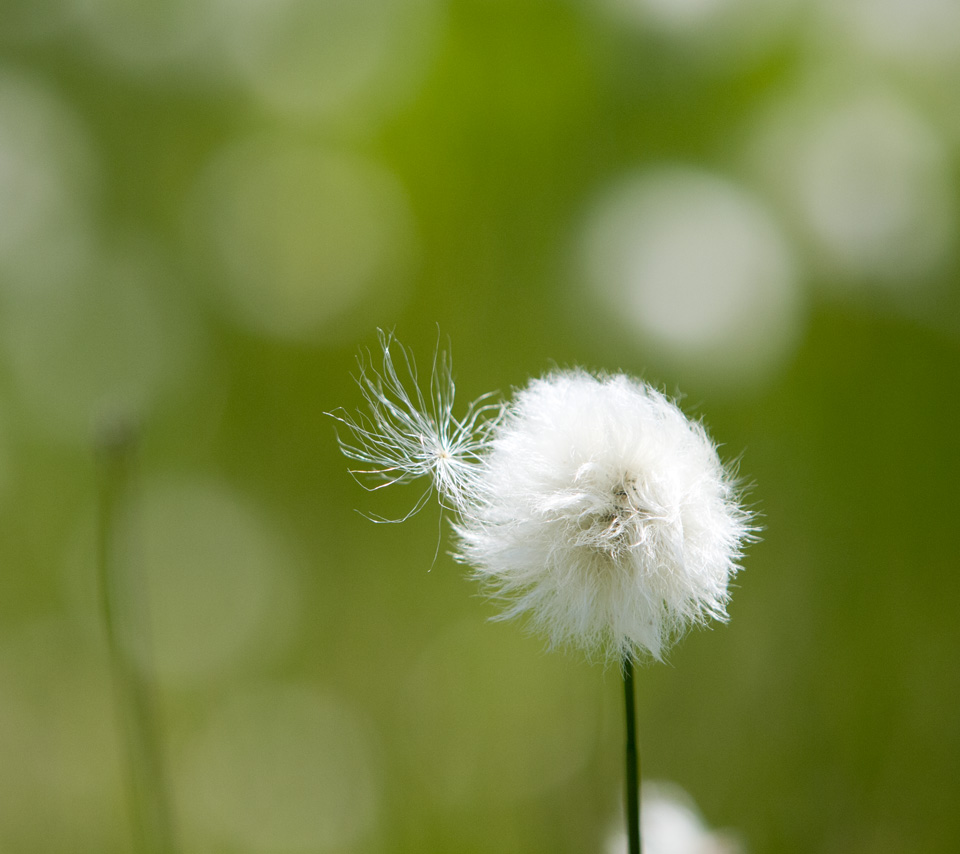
207,207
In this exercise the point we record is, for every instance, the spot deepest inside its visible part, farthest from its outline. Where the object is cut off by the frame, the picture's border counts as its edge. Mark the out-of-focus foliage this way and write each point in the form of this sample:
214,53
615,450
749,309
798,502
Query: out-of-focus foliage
206,207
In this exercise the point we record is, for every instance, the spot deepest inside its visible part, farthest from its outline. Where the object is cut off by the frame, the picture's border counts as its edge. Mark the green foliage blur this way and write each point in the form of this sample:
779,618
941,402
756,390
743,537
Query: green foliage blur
207,208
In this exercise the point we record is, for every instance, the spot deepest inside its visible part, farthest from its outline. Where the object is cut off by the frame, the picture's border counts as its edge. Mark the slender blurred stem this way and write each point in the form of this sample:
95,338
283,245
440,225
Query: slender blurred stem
633,762
146,785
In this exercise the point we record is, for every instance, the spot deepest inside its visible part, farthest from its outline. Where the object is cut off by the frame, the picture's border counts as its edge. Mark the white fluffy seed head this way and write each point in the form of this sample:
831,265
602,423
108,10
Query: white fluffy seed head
589,504
605,515
670,823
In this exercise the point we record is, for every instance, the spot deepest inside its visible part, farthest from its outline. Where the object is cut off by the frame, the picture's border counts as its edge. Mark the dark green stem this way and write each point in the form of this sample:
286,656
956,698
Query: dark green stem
120,596
633,762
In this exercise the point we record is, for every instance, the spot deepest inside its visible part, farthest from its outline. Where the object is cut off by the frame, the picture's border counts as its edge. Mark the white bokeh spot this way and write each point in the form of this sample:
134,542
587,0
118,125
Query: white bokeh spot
281,769
329,58
213,582
697,268
866,179
719,32
300,238
47,180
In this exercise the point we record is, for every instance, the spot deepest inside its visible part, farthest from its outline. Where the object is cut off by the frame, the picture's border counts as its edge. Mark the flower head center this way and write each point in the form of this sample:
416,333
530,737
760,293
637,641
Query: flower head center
618,520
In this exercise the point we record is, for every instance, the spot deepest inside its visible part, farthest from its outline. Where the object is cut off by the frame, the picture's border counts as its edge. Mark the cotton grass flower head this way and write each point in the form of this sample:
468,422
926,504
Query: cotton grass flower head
672,824
589,503
605,514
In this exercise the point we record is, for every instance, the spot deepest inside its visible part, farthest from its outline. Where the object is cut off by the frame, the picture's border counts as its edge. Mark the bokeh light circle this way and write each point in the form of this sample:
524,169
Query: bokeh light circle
719,32
917,35
151,37
287,768
47,179
112,337
301,239
208,584
866,179
697,269
328,58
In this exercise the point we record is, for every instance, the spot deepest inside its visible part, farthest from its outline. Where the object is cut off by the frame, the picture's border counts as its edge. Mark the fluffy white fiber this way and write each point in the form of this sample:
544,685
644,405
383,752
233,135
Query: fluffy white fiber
590,504
410,433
